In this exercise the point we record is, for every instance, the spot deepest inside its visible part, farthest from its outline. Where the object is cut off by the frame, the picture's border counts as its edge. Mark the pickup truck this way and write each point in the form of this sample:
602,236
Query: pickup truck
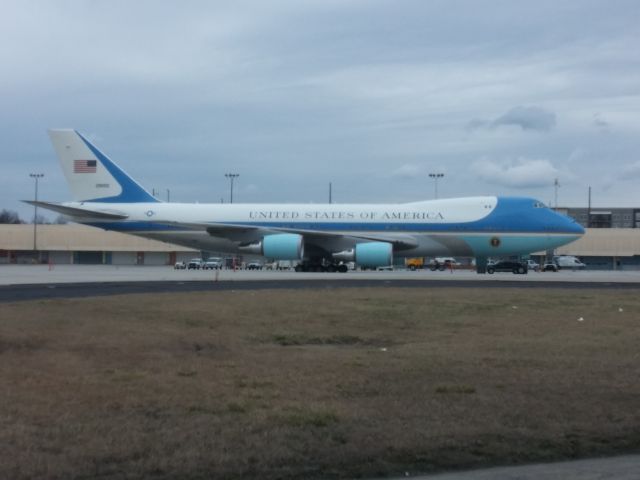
213,263
195,264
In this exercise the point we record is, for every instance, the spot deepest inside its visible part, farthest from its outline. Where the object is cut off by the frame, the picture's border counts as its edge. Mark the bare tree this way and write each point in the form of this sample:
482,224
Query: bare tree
41,220
9,216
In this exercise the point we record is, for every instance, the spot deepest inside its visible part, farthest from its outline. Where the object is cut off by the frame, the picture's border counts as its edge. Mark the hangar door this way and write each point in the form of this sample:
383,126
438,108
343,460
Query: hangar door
156,258
123,258
87,258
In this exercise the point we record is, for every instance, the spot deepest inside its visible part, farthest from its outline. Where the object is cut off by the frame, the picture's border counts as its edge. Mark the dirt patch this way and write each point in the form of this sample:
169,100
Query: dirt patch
303,384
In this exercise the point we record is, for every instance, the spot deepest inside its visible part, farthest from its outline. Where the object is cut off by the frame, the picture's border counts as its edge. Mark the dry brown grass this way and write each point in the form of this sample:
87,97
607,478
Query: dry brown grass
330,383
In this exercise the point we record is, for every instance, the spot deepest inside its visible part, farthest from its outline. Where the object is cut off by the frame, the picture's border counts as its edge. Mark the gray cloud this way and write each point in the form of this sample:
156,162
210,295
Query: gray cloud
522,173
408,170
630,171
527,118
600,122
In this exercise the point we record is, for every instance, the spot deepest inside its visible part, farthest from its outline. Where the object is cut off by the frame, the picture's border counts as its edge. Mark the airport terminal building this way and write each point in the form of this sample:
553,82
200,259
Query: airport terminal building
602,247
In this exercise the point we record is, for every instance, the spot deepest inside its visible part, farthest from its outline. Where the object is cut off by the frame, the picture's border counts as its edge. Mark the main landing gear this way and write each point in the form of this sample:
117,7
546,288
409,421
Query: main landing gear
311,266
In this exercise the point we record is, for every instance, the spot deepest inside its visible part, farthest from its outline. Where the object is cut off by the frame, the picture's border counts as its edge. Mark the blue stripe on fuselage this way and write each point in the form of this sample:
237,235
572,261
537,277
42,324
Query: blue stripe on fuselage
133,227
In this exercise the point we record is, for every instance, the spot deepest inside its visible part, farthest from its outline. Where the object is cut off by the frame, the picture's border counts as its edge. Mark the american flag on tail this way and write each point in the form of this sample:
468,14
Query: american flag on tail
84,166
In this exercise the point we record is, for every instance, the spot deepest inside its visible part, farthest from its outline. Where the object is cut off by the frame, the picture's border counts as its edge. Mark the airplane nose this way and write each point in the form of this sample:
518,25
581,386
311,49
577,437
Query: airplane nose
575,227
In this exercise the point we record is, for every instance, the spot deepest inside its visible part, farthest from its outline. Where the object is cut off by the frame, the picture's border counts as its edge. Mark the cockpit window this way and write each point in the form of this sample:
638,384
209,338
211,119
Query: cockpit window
537,204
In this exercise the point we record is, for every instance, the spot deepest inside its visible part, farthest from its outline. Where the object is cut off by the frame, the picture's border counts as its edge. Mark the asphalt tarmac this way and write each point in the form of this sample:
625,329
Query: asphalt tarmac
32,282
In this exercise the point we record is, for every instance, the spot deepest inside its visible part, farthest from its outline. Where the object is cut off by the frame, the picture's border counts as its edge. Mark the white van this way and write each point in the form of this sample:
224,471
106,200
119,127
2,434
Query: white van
568,261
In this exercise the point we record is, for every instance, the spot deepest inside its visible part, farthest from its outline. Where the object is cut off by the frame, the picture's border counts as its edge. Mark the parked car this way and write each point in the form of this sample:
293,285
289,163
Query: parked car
533,265
254,266
213,263
508,266
180,266
550,267
195,264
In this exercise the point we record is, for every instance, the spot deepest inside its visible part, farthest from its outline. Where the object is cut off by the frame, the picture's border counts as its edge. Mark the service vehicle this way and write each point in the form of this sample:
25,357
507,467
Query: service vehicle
442,263
568,261
533,265
254,266
415,263
213,263
195,264
508,266
180,266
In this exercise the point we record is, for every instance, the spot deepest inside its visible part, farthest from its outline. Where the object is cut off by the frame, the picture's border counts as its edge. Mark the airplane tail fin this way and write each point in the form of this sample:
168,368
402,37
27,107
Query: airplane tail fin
91,175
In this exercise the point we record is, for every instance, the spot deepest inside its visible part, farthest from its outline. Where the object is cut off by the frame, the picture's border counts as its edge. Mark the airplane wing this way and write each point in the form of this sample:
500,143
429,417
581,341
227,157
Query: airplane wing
80,212
240,232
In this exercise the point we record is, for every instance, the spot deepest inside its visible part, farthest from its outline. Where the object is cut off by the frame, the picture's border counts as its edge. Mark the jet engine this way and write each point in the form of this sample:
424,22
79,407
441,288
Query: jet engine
282,246
372,254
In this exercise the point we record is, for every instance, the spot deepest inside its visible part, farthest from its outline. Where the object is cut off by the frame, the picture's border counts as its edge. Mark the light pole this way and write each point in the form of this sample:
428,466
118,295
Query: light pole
232,177
435,177
556,184
35,176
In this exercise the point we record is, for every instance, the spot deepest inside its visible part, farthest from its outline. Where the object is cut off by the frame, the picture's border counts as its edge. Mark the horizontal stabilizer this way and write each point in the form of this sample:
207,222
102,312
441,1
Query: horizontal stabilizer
80,212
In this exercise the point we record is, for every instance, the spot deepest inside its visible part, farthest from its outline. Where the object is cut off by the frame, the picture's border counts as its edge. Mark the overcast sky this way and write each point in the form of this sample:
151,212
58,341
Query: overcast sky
500,96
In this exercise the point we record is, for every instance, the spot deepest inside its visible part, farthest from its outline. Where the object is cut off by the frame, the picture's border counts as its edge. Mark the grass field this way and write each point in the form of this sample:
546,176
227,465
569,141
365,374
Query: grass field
329,383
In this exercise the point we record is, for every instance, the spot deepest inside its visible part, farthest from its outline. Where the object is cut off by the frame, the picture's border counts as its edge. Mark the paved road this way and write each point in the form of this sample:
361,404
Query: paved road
615,468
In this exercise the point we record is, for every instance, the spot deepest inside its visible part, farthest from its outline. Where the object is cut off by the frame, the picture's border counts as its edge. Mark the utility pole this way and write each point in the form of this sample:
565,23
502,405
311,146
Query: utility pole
168,195
330,199
589,209
231,177
35,176
435,177
556,185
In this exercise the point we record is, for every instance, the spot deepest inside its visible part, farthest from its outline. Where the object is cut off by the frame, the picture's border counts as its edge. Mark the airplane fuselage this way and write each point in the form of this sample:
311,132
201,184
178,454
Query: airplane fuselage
474,226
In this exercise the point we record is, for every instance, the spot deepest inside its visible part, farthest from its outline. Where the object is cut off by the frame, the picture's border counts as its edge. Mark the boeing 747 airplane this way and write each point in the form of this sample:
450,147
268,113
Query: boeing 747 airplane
321,237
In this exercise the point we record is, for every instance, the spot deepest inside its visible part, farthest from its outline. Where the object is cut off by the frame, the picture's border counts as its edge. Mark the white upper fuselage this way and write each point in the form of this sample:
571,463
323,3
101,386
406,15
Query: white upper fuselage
455,210
473,226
